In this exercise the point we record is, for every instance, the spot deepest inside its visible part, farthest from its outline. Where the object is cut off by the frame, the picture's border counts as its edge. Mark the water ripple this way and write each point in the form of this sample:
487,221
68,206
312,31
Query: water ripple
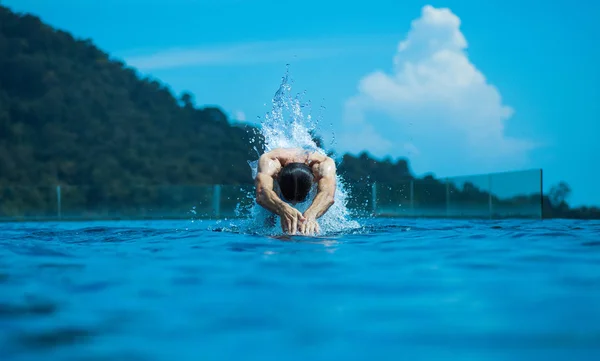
79,291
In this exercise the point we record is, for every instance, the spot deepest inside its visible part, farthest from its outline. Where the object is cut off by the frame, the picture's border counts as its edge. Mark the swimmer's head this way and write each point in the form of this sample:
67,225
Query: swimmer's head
295,181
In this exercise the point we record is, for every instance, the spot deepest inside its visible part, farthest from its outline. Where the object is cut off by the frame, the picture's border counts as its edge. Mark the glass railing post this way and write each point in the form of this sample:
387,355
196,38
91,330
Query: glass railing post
374,198
216,206
490,192
412,197
58,202
447,197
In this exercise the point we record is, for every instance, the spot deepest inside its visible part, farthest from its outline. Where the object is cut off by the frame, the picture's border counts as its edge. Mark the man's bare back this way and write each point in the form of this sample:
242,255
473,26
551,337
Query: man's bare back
296,168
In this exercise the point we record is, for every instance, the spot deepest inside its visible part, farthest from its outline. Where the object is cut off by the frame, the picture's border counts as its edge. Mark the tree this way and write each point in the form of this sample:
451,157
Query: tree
559,194
187,100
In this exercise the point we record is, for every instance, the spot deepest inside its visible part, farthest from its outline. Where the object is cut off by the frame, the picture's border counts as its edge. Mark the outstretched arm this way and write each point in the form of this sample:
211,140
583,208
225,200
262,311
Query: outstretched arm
268,166
324,198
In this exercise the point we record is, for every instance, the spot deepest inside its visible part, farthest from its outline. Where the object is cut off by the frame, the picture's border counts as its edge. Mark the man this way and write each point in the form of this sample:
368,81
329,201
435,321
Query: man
294,171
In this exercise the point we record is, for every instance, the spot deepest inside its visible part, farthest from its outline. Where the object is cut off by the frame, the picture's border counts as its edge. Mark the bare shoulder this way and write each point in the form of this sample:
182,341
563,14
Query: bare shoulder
280,154
316,157
269,163
324,167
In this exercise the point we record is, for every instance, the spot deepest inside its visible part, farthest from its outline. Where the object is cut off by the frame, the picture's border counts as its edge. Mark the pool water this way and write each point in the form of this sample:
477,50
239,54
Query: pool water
395,290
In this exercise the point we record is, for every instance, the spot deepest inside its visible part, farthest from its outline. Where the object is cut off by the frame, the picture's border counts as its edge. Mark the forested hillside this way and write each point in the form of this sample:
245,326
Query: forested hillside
70,115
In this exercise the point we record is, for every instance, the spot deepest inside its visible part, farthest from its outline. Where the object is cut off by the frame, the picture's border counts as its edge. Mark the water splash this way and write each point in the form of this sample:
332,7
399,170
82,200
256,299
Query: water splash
290,125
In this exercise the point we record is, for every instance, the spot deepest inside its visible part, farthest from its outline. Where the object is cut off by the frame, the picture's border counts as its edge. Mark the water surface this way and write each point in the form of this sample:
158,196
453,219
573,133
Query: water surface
397,289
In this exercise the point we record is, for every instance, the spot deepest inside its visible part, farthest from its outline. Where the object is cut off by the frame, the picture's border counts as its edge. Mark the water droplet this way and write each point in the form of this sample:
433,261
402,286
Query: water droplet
290,124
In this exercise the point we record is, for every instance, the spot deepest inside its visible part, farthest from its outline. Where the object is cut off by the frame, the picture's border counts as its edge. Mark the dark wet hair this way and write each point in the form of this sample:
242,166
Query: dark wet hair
295,181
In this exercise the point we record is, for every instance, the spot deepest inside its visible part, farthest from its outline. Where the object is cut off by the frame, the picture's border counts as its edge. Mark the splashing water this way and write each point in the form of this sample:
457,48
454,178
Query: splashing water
286,126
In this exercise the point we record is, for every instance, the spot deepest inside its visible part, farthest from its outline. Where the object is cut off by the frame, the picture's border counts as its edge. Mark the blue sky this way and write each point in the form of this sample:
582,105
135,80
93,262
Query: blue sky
458,87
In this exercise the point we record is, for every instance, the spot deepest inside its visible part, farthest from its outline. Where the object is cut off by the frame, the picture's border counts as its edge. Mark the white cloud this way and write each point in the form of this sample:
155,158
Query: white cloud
246,53
367,139
434,101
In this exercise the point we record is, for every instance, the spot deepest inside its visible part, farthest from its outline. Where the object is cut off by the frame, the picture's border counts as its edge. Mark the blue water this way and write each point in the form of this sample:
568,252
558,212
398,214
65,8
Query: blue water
397,290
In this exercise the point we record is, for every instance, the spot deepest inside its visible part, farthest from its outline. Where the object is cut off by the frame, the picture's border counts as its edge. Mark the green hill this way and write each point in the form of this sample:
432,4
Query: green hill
70,115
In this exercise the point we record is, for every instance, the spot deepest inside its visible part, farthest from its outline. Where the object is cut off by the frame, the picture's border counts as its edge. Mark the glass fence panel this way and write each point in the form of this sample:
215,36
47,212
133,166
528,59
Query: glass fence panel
517,194
24,202
236,200
136,202
429,198
468,197
393,199
499,195
360,199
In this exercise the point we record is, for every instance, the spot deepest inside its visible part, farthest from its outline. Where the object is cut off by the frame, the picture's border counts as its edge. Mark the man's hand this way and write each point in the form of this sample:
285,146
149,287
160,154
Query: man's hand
309,227
291,218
